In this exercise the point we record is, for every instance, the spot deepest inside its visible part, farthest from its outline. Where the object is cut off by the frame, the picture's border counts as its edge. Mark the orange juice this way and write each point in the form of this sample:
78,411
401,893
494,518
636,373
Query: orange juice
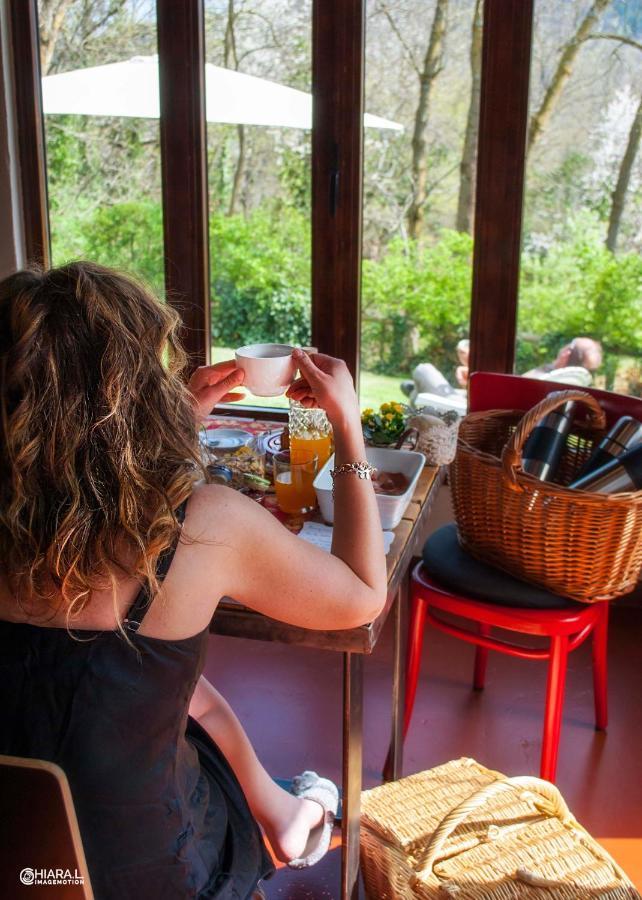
294,472
294,491
320,446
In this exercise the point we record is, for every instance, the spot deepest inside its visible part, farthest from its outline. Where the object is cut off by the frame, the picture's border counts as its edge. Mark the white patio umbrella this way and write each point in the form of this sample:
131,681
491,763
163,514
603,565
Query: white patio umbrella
130,88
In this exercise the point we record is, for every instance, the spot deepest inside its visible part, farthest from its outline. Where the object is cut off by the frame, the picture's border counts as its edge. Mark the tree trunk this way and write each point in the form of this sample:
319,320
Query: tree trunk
238,171
231,56
563,72
466,200
52,15
623,178
427,76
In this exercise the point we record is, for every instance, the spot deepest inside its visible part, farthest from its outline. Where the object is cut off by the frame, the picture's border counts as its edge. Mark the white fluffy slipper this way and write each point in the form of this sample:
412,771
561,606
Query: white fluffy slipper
310,786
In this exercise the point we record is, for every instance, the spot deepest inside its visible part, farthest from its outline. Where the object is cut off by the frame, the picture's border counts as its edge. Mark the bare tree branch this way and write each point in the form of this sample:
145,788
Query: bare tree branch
113,9
252,13
466,198
432,65
52,16
563,71
621,38
620,191
231,56
252,51
393,25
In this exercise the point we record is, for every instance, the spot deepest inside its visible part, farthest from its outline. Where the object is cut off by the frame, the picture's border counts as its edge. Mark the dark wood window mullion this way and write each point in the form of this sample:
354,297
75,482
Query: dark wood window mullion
503,121
337,176
31,132
183,136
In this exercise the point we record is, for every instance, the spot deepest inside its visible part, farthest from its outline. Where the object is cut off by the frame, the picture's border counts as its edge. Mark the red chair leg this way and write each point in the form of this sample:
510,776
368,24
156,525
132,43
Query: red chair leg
415,643
600,680
554,706
481,659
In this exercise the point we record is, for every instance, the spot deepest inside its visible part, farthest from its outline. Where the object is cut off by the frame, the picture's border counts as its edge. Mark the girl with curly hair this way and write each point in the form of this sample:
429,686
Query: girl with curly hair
114,552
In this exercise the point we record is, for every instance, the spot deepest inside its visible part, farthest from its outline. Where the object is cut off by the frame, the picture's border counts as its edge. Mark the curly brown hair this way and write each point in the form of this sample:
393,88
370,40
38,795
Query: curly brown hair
99,443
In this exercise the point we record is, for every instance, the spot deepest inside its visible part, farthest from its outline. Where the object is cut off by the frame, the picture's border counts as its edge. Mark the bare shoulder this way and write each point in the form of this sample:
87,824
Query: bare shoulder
213,527
214,509
210,560
199,574
231,546
216,514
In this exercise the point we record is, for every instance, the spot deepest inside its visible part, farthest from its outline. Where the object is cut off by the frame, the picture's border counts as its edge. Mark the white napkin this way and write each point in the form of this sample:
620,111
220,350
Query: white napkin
321,536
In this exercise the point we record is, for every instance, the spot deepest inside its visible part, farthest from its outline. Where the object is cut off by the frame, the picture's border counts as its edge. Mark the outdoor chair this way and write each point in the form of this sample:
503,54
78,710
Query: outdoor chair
449,397
41,831
451,581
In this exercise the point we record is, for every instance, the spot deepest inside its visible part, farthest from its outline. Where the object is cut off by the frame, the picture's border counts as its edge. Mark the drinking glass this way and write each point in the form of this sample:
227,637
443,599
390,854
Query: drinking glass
294,472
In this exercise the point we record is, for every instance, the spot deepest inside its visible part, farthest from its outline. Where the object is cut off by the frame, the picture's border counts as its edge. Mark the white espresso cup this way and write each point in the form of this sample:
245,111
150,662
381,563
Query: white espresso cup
269,368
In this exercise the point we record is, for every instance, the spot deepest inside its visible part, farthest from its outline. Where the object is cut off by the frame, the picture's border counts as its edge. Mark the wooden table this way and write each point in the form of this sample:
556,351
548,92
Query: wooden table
235,620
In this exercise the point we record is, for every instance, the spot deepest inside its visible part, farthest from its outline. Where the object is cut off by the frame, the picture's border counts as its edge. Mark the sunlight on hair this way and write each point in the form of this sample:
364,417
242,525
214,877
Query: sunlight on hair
99,441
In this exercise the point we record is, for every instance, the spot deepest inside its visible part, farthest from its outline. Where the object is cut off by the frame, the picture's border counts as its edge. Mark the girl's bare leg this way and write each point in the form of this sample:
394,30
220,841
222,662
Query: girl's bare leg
286,819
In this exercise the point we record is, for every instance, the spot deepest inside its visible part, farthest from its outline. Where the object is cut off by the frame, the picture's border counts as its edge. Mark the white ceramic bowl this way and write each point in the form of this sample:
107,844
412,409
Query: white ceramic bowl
269,368
391,509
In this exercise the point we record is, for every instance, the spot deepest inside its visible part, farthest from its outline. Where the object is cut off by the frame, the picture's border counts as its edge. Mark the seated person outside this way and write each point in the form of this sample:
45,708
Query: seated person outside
114,553
575,363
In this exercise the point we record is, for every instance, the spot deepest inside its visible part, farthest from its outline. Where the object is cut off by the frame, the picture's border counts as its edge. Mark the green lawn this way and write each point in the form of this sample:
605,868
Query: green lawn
374,389
377,389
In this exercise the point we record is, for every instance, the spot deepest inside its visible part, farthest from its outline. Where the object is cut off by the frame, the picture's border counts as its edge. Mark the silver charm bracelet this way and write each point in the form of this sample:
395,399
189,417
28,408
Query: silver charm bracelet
363,470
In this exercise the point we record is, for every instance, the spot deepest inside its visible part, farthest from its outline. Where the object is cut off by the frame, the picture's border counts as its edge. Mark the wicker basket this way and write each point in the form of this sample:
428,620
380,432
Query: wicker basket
463,831
578,544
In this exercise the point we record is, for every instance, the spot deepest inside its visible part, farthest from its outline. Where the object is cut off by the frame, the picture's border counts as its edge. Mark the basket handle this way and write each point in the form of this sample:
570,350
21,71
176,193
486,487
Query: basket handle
410,434
512,452
553,805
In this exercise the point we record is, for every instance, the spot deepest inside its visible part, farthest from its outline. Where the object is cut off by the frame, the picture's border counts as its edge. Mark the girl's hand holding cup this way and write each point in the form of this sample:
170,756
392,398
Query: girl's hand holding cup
325,382
210,385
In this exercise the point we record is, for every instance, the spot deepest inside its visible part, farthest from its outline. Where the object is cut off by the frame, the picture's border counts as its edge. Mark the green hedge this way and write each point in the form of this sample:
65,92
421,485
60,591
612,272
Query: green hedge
260,278
416,303
416,300
580,288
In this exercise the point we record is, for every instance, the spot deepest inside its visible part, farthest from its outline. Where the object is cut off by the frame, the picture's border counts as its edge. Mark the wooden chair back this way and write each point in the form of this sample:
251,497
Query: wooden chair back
39,832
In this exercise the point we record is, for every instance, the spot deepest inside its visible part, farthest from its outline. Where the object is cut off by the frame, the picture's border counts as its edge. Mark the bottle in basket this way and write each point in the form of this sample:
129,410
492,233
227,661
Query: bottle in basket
621,474
543,449
625,435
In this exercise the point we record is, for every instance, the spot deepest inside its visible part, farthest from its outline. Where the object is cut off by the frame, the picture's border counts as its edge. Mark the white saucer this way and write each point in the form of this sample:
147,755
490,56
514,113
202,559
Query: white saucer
226,438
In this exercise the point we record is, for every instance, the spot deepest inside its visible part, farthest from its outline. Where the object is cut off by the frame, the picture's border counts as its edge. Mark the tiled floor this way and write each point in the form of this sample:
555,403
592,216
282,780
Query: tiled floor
289,699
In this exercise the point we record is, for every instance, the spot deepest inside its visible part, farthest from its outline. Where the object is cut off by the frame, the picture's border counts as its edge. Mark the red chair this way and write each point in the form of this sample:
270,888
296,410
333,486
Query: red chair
450,581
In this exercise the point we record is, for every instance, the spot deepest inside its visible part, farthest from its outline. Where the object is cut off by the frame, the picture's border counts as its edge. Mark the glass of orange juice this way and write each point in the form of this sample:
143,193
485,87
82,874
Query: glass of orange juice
294,472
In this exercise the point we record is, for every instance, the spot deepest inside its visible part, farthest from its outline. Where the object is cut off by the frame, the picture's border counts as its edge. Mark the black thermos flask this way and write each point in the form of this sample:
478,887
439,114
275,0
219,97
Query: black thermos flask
621,474
543,449
625,435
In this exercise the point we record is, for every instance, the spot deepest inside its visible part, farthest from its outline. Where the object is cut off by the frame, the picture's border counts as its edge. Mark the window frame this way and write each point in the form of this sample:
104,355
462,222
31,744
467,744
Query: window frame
501,163
338,45
183,145
31,134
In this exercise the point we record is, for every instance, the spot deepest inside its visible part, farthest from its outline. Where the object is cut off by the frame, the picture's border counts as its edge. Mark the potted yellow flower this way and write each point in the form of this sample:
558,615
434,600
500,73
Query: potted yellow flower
385,427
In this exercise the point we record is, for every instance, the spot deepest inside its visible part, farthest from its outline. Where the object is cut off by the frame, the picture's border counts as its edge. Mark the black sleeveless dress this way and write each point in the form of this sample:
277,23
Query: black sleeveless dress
161,814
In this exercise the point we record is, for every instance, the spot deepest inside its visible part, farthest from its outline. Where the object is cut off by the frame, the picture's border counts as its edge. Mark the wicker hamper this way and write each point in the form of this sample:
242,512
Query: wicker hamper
575,543
463,831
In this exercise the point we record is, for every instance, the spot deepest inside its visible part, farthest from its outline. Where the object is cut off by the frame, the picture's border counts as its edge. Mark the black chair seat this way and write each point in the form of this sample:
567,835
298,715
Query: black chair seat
449,564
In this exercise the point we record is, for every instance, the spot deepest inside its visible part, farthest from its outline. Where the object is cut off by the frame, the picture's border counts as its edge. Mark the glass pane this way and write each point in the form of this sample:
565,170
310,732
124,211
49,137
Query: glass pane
418,200
580,305
102,133
259,173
